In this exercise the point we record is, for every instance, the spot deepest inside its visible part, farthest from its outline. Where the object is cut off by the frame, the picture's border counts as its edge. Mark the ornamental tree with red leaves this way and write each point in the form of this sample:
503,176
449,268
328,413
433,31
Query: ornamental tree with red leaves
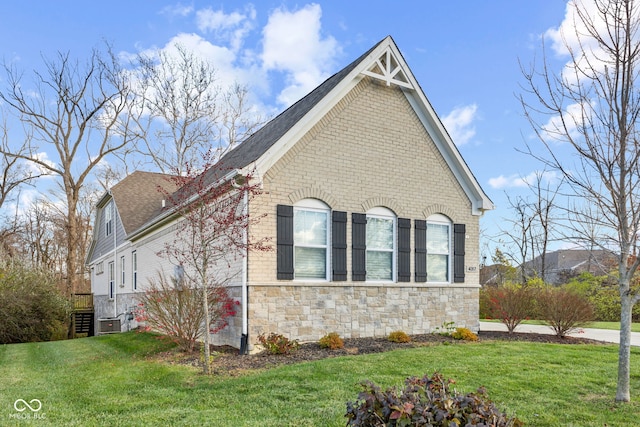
212,235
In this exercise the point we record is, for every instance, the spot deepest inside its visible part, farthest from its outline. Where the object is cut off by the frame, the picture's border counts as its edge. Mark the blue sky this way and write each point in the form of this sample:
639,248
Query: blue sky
466,55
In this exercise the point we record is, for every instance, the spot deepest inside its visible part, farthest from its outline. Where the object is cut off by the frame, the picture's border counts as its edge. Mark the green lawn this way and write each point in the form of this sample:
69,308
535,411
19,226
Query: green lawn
615,326
107,380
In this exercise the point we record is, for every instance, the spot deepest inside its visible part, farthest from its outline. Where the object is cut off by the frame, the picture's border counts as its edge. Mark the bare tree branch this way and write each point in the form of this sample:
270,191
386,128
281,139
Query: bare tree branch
183,113
592,106
76,114
13,172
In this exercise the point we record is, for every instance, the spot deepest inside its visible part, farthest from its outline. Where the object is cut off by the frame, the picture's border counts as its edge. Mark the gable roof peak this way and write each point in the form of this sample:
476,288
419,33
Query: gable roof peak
387,66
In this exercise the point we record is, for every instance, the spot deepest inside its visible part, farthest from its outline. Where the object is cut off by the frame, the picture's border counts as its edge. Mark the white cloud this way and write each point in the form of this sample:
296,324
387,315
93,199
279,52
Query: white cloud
459,123
573,37
568,35
39,170
26,198
558,128
293,43
519,181
504,181
229,67
232,27
177,10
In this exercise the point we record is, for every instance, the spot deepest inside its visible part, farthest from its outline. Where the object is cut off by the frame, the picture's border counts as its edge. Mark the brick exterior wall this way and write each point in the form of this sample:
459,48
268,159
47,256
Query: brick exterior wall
370,150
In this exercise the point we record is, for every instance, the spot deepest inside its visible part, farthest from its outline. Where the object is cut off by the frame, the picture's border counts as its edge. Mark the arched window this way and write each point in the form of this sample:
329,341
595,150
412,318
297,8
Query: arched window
311,239
381,245
438,249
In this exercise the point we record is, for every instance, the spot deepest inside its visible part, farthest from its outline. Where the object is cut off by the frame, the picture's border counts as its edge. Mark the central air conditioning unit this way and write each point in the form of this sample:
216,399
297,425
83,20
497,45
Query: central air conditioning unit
109,326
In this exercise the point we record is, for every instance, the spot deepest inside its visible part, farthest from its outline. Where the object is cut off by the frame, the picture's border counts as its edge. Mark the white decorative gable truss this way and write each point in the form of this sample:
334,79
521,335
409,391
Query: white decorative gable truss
388,69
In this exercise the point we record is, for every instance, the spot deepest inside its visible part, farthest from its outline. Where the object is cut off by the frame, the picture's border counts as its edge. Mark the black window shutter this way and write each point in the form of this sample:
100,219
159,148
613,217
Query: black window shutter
404,250
339,245
421,250
459,236
358,247
285,242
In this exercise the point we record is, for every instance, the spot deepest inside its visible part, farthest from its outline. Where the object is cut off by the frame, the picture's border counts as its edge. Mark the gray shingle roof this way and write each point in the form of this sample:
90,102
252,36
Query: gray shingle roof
139,197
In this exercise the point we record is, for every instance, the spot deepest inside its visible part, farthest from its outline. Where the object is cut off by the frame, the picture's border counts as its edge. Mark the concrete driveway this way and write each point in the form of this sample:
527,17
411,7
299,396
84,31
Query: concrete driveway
594,334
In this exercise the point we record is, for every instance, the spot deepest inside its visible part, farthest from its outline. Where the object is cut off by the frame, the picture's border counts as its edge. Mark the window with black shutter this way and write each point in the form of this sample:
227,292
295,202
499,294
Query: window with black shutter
339,246
459,237
404,250
285,242
421,250
358,247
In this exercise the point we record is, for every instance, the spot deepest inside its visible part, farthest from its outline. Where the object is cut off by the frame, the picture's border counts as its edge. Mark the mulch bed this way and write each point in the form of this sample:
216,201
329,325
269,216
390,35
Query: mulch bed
228,361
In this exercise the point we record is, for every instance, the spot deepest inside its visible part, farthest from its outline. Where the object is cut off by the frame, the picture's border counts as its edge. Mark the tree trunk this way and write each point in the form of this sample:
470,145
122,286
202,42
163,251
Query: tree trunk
207,328
623,393
72,242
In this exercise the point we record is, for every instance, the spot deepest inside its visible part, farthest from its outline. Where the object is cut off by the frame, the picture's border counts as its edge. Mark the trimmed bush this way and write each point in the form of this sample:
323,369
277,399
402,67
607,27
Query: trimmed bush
399,337
511,304
564,311
464,334
332,341
278,344
426,401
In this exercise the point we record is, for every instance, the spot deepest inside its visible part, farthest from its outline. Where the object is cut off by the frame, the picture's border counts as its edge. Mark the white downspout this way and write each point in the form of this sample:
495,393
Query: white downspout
115,257
245,296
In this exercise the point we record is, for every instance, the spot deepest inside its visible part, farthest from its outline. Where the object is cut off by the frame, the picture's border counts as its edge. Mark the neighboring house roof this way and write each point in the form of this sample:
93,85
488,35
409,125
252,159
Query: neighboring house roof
139,197
572,261
384,62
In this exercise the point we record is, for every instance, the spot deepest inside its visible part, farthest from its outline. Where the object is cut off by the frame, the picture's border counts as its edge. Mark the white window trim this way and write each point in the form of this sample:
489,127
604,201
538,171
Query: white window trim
108,219
384,213
134,270
440,219
314,205
111,280
123,277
